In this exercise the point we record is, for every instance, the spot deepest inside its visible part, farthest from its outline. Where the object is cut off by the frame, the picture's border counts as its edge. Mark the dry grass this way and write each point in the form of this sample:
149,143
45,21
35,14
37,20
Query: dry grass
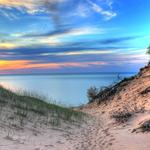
29,107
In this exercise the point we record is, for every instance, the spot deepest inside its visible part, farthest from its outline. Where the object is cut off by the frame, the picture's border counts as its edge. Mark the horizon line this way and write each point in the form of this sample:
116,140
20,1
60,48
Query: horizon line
69,73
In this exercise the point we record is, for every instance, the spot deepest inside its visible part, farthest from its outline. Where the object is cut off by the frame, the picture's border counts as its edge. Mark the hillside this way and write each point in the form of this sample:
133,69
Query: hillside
133,94
122,121
27,121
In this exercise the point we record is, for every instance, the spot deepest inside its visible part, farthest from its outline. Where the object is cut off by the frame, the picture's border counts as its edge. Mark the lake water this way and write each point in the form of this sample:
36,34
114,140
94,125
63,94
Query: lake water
68,89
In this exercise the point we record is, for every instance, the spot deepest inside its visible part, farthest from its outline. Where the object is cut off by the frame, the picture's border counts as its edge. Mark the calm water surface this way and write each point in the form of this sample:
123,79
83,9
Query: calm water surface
66,89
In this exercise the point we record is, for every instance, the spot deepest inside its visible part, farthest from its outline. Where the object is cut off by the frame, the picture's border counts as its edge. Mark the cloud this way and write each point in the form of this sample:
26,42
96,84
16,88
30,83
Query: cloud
39,59
118,39
55,46
30,6
35,40
55,6
82,11
58,33
107,14
62,19
28,64
85,52
7,45
7,14
33,7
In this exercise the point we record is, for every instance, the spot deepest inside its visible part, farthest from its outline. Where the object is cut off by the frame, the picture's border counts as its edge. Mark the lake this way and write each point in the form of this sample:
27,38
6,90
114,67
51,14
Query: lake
67,89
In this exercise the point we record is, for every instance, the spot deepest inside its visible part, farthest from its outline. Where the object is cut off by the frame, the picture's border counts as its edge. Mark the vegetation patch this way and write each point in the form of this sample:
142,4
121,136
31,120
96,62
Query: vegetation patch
143,127
122,117
26,107
106,93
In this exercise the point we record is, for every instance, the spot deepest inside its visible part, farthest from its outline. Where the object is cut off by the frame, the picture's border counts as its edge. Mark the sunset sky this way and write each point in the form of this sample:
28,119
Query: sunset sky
72,36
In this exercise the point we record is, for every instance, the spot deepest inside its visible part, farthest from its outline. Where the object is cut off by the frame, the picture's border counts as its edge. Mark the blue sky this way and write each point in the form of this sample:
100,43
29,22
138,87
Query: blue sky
72,36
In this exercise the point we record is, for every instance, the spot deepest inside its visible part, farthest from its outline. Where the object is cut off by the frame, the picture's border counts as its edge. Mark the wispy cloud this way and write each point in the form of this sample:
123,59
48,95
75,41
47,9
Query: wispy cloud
30,6
7,14
85,30
57,8
85,52
107,14
33,39
82,11
59,16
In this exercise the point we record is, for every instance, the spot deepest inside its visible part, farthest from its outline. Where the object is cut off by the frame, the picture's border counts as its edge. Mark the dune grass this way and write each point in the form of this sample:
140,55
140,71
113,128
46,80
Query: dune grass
27,106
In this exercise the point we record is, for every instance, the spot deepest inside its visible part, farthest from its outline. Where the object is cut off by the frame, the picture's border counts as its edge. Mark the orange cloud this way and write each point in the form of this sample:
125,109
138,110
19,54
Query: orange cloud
6,65
12,64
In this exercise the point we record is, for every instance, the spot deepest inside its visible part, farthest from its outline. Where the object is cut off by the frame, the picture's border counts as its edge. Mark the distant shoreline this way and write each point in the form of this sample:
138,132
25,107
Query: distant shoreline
92,73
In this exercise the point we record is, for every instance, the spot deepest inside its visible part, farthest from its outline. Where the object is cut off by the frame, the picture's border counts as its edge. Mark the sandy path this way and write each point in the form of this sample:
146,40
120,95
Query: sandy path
102,133
126,140
95,135
99,133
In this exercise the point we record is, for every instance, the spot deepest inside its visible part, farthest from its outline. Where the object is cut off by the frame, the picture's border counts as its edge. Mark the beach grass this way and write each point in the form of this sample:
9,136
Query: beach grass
28,106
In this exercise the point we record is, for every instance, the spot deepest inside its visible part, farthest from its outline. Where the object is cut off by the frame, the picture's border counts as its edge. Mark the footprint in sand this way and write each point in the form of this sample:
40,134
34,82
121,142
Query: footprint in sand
37,149
49,145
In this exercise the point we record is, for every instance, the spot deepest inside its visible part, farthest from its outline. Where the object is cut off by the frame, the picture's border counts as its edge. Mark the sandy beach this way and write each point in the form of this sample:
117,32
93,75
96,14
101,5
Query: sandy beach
100,131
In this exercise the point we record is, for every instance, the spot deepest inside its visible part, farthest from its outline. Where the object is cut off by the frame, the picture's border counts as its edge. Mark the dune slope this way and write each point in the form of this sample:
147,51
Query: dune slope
122,121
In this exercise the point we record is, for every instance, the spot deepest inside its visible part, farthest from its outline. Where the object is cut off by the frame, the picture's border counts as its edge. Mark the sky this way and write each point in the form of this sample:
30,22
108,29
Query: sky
73,36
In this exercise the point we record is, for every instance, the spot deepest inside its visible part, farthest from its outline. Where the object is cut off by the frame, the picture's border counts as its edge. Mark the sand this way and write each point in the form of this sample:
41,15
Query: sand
100,132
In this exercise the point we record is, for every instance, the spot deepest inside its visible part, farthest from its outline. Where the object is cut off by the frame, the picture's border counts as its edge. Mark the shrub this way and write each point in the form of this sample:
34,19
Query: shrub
92,94
100,95
106,93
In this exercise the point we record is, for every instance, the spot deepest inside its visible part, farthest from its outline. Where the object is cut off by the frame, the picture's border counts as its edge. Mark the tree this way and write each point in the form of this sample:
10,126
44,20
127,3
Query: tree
148,52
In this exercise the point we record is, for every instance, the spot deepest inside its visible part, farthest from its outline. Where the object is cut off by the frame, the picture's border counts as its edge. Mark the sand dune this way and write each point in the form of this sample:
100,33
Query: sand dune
100,131
105,133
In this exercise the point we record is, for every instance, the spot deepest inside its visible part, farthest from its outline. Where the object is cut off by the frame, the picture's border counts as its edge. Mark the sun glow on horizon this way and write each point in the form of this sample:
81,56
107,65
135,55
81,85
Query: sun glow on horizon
8,65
